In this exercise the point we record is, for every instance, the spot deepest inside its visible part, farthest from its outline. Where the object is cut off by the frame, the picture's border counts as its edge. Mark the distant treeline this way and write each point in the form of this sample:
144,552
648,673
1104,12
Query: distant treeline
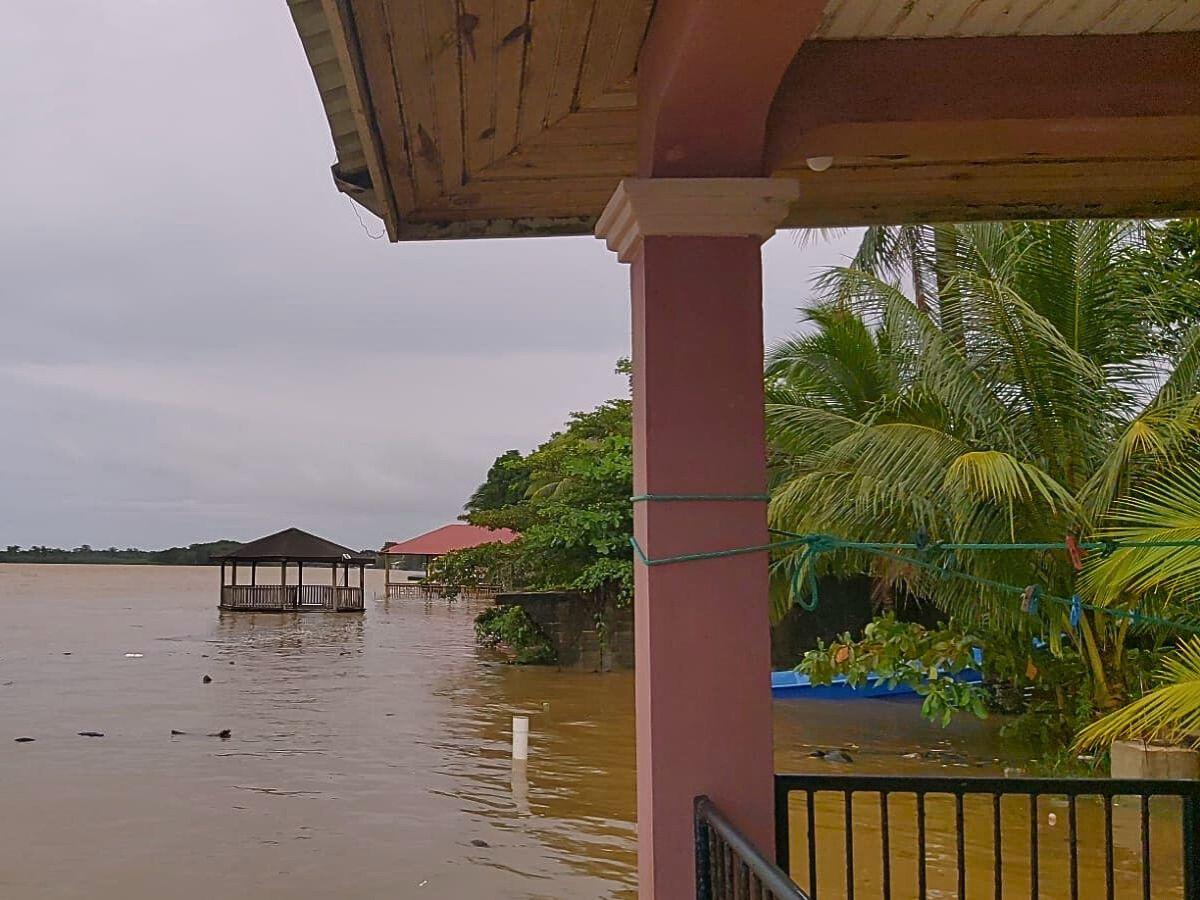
191,555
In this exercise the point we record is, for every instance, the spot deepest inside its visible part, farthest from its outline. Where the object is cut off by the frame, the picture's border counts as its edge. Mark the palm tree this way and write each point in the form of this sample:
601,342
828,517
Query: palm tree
1026,414
1166,514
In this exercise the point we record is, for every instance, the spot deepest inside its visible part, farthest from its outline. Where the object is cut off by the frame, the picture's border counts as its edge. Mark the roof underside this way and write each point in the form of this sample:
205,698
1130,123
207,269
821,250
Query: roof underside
475,118
293,545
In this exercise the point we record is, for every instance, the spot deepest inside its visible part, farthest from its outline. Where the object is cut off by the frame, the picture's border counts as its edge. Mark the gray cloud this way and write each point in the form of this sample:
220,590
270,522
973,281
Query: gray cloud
197,338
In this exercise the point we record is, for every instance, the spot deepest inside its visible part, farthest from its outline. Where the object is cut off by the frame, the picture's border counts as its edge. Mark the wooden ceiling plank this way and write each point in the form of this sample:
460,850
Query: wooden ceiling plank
354,126
949,17
568,64
384,109
404,23
629,44
599,127
1063,18
885,15
480,35
557,161
512,26
443,33
1181,16
609,17
541,55
851,18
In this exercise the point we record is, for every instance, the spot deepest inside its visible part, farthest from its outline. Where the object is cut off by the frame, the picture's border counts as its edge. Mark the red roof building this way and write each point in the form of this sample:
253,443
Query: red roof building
414,555
450,537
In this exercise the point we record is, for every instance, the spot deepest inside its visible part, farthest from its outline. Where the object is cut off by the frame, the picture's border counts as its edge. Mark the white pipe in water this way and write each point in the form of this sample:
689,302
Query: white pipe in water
520,737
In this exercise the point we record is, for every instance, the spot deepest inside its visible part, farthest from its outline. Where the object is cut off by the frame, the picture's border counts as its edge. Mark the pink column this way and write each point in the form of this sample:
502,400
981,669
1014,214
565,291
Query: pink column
702,638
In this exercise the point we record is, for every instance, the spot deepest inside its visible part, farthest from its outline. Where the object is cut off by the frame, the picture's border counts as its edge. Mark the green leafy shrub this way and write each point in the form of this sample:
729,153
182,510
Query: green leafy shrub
905,653
511,627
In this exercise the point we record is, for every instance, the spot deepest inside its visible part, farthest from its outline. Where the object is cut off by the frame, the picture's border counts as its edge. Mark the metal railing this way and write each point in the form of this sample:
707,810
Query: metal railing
1001,820
729,867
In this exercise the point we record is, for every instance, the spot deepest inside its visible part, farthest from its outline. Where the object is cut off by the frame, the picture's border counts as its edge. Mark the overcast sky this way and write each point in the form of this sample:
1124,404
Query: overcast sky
197,338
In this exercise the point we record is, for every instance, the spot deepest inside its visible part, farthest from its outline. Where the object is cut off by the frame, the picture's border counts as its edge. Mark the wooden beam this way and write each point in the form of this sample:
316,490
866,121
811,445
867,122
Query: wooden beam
732,56
966,191
972,98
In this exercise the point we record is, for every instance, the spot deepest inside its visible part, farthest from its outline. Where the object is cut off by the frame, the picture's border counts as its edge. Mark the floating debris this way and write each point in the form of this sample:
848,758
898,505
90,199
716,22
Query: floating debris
91,734
224,734
24,740
134,655
838,756
207,679
175,732
478,843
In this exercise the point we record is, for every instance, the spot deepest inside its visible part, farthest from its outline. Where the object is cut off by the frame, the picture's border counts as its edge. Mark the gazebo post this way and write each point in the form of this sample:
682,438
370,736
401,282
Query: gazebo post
222,573
362,578
254,572
691,228
234,581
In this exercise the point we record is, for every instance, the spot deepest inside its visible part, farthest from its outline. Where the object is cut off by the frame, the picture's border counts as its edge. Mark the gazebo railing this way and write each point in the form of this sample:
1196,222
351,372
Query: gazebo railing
425,589
289,597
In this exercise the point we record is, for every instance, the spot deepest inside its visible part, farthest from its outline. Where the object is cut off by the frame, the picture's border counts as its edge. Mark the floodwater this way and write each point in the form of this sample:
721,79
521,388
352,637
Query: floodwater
368,756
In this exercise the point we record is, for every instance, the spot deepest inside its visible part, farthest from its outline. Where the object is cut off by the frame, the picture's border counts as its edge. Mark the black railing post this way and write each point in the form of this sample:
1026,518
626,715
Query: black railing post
783,846
703,853
1191,846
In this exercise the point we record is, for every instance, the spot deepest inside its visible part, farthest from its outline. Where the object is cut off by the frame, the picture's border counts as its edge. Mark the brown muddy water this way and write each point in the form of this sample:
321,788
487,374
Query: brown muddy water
369,756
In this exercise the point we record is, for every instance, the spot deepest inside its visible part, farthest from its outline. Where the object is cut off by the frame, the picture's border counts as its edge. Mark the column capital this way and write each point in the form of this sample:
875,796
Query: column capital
693,207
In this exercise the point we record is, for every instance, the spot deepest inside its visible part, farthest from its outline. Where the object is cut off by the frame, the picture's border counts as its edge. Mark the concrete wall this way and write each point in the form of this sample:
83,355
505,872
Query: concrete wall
573,624
586,634
1133,759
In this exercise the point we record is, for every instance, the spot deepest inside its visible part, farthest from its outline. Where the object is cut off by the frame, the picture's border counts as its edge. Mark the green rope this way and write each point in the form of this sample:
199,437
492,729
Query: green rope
687,498
815,544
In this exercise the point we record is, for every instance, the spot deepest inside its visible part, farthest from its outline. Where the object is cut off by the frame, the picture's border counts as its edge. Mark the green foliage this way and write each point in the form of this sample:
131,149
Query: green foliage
1044,381
1169,713
905,653
511,627
574,516
506,483
1165,510
192,555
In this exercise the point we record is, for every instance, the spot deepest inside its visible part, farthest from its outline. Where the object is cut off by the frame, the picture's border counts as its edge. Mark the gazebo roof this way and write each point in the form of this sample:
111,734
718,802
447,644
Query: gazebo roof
515,118
293,545
451,537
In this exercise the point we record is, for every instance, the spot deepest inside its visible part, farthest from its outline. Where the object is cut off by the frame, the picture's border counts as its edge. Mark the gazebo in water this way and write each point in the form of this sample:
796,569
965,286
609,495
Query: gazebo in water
276,553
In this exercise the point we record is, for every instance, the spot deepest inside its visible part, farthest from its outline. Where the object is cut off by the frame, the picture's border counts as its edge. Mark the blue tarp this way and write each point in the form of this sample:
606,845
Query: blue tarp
792,684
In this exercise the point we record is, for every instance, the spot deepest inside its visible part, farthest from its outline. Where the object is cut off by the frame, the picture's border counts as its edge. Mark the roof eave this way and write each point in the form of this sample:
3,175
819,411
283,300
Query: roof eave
327,32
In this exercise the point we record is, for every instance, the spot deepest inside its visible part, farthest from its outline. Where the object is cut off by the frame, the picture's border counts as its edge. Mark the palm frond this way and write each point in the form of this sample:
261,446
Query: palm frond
1165,510
1168,713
